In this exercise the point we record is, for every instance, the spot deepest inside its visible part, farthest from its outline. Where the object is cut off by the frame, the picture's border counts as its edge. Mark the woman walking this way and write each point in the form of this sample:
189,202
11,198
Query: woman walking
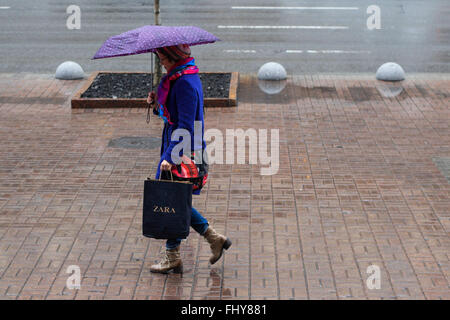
179,103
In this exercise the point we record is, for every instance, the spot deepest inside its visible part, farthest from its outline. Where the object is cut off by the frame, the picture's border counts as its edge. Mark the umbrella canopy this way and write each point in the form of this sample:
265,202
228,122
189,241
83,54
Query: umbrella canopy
149,38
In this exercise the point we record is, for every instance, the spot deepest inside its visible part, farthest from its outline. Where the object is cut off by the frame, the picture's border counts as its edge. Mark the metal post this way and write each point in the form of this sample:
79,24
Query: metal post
157,72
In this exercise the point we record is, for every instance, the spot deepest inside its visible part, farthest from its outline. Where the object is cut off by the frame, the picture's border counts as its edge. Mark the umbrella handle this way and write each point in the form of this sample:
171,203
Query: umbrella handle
148,113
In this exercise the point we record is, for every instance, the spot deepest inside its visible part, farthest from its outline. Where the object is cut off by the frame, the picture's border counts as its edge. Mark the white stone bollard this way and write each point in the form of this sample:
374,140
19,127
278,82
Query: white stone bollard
390,71
272,71
69,70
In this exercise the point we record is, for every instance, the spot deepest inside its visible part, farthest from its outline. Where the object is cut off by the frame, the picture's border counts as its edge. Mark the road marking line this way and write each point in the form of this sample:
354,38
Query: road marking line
298,51
282,27
5,7
343,51
326,51
295,8
240,51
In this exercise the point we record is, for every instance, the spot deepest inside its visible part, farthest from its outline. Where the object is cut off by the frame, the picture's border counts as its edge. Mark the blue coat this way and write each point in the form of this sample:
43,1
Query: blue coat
185,106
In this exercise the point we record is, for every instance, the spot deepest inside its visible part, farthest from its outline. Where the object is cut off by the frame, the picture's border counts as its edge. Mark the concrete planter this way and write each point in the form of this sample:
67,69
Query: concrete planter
79,102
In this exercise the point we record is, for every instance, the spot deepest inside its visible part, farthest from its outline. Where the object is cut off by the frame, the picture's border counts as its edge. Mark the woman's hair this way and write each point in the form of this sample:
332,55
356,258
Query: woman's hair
175,53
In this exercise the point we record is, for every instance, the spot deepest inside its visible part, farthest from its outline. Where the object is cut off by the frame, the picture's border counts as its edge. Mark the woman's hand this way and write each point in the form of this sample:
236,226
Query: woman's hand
151,99
165,165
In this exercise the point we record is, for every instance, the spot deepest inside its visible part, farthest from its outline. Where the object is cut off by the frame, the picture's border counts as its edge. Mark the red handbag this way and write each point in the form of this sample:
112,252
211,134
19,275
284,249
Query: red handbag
189,170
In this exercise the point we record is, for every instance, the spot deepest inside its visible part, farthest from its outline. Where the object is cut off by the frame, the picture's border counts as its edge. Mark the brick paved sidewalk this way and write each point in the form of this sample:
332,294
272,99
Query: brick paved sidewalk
363,180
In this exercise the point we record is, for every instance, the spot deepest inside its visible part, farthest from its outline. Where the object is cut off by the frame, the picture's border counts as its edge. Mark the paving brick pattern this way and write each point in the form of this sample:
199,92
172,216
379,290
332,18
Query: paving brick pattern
358,185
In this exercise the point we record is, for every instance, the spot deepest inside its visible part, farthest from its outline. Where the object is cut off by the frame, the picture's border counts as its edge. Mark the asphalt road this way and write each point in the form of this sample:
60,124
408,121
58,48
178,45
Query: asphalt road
305,36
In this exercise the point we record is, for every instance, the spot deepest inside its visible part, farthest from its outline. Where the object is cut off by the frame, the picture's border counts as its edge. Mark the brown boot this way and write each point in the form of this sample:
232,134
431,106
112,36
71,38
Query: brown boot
170,261
218,242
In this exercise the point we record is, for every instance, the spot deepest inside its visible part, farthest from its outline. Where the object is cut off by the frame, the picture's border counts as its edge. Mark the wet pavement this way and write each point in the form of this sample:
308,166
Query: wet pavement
363,181
326,37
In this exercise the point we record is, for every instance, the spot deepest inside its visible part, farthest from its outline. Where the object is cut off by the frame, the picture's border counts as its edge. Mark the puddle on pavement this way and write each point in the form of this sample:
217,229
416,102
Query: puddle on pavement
316,92
252,90
434,91
360,94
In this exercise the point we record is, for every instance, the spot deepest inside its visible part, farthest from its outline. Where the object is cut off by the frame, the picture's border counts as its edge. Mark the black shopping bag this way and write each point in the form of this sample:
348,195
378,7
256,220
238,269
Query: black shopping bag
167,209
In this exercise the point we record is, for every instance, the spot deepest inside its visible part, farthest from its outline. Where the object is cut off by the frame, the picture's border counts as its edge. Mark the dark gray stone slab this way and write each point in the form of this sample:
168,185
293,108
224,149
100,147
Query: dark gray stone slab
135,143
443,165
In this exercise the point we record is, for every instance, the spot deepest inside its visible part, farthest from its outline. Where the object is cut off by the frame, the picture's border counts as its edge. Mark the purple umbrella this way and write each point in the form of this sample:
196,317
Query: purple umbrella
149,38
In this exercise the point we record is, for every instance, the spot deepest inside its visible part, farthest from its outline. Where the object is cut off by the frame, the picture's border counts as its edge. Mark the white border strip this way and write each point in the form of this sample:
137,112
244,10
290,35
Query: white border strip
240,51
5,7
283,27
295,8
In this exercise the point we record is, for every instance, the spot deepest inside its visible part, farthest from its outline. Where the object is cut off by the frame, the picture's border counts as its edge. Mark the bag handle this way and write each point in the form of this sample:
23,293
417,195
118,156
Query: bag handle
171,175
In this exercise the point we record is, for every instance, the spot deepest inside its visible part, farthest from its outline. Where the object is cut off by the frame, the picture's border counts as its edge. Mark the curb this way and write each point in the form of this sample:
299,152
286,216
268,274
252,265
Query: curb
79,102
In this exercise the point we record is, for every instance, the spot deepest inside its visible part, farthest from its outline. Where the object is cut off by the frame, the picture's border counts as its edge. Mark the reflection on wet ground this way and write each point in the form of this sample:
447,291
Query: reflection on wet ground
273,92
389,91
184,286
216,286
262,91
272,87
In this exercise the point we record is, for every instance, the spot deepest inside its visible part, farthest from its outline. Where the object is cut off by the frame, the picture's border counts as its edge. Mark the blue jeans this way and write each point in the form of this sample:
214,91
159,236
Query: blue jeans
198,223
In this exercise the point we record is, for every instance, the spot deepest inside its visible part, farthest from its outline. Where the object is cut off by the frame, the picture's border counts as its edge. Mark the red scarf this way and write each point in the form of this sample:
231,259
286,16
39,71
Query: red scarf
181,67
